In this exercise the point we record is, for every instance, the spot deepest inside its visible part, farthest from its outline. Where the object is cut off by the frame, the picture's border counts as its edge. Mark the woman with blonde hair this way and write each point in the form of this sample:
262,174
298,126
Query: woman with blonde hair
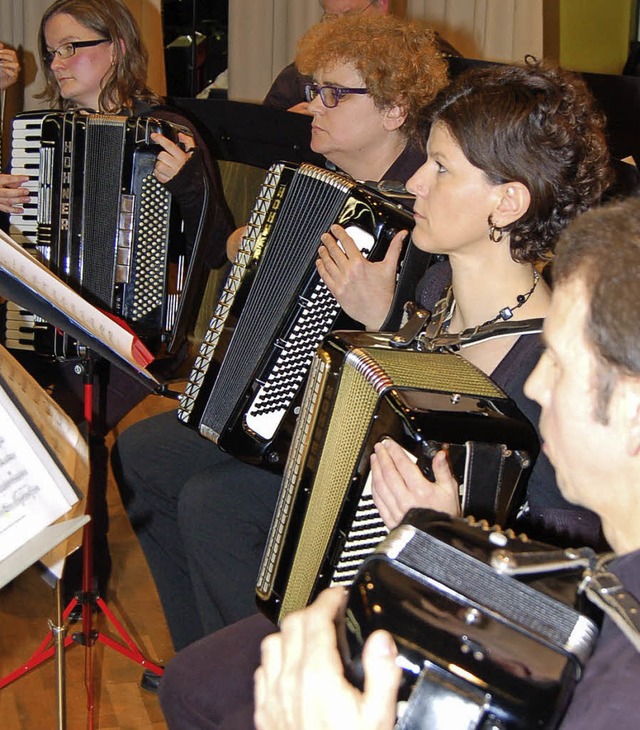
93,57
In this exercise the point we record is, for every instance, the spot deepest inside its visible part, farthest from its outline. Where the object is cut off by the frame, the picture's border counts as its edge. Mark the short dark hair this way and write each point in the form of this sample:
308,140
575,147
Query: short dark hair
533,124
601,248
109,19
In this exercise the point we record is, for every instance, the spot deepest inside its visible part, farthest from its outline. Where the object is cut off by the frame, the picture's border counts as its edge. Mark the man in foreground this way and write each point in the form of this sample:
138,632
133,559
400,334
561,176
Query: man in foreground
588,386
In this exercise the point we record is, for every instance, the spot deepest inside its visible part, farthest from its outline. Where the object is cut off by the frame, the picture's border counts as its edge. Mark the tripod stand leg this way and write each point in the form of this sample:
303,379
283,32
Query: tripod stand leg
44,652
59,631
128,649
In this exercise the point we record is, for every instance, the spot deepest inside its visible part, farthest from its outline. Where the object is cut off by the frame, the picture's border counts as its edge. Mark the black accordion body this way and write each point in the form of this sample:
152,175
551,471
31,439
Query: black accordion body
100,221
360,391
478,648
243,390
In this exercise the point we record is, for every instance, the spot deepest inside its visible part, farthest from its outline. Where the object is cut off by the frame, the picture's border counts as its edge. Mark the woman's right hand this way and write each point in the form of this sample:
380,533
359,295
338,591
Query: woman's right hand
399,485
364,289
9,67
12,195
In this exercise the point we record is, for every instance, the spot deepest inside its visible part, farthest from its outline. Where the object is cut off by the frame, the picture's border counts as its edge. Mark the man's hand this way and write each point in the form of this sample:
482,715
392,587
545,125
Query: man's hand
363,289
300,684
398,485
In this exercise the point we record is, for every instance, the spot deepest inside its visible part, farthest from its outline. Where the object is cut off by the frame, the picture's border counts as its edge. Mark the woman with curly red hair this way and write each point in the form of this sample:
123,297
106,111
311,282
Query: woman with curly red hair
181,492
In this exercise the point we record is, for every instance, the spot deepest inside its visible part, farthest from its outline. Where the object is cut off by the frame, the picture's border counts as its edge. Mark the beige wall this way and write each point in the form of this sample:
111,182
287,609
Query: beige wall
262,36
19,21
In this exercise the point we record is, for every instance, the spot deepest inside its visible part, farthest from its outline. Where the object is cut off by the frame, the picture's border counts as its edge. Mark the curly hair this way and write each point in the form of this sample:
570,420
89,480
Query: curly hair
398,60
533,124
109,19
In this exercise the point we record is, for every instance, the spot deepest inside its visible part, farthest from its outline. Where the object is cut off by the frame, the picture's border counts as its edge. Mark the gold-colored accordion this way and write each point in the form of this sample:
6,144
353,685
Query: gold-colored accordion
243,390
360,391
101,221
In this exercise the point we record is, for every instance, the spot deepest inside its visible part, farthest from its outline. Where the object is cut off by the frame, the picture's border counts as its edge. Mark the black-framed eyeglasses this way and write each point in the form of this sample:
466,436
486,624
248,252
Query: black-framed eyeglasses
328,16
330,96
66,50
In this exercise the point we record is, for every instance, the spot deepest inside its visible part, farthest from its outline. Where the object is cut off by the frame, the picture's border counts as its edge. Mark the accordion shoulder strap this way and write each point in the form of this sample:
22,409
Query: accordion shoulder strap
412,269
606,591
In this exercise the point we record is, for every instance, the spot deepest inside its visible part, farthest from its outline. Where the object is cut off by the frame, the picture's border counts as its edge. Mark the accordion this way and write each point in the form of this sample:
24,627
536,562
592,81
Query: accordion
361,391
244,388
101,222
478,648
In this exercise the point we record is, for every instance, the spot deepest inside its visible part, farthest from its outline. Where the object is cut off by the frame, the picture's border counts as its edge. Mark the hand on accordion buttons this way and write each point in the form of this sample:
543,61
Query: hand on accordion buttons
300,684
364,289
12,195
173,157
399,485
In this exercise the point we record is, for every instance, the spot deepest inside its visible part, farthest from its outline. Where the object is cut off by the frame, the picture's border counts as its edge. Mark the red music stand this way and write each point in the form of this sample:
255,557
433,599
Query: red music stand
57,640
26,281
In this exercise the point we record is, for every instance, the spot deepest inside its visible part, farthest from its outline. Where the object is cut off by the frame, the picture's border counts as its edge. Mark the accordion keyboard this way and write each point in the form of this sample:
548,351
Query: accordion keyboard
21,326
366,532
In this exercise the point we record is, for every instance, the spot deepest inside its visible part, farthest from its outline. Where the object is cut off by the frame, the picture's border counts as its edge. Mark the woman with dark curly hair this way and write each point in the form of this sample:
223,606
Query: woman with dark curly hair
513,154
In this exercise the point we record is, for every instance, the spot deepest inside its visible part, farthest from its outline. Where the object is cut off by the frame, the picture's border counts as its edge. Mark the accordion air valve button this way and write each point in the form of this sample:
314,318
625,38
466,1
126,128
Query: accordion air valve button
498,538
472,617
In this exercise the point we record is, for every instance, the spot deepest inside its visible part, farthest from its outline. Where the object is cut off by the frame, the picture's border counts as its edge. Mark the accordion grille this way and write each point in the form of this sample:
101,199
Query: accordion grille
150,268
366,374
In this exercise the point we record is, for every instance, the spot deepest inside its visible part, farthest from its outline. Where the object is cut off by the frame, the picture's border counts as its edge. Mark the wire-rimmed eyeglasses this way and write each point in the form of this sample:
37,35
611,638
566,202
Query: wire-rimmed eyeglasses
66,50
330,96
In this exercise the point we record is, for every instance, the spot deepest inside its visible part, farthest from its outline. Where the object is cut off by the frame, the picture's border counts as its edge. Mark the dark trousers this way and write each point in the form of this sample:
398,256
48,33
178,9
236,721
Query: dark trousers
202,518
209,685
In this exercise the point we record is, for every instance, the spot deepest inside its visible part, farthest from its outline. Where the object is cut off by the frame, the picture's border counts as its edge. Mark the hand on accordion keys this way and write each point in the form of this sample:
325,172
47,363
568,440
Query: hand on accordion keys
399,485
353,280
12,193
300,684
173,156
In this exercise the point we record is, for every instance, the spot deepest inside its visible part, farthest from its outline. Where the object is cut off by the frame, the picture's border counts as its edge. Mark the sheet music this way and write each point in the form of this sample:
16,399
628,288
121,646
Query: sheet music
25,268
34,492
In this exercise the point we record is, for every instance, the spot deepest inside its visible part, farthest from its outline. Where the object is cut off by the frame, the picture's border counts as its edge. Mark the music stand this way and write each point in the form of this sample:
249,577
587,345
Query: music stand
27,282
